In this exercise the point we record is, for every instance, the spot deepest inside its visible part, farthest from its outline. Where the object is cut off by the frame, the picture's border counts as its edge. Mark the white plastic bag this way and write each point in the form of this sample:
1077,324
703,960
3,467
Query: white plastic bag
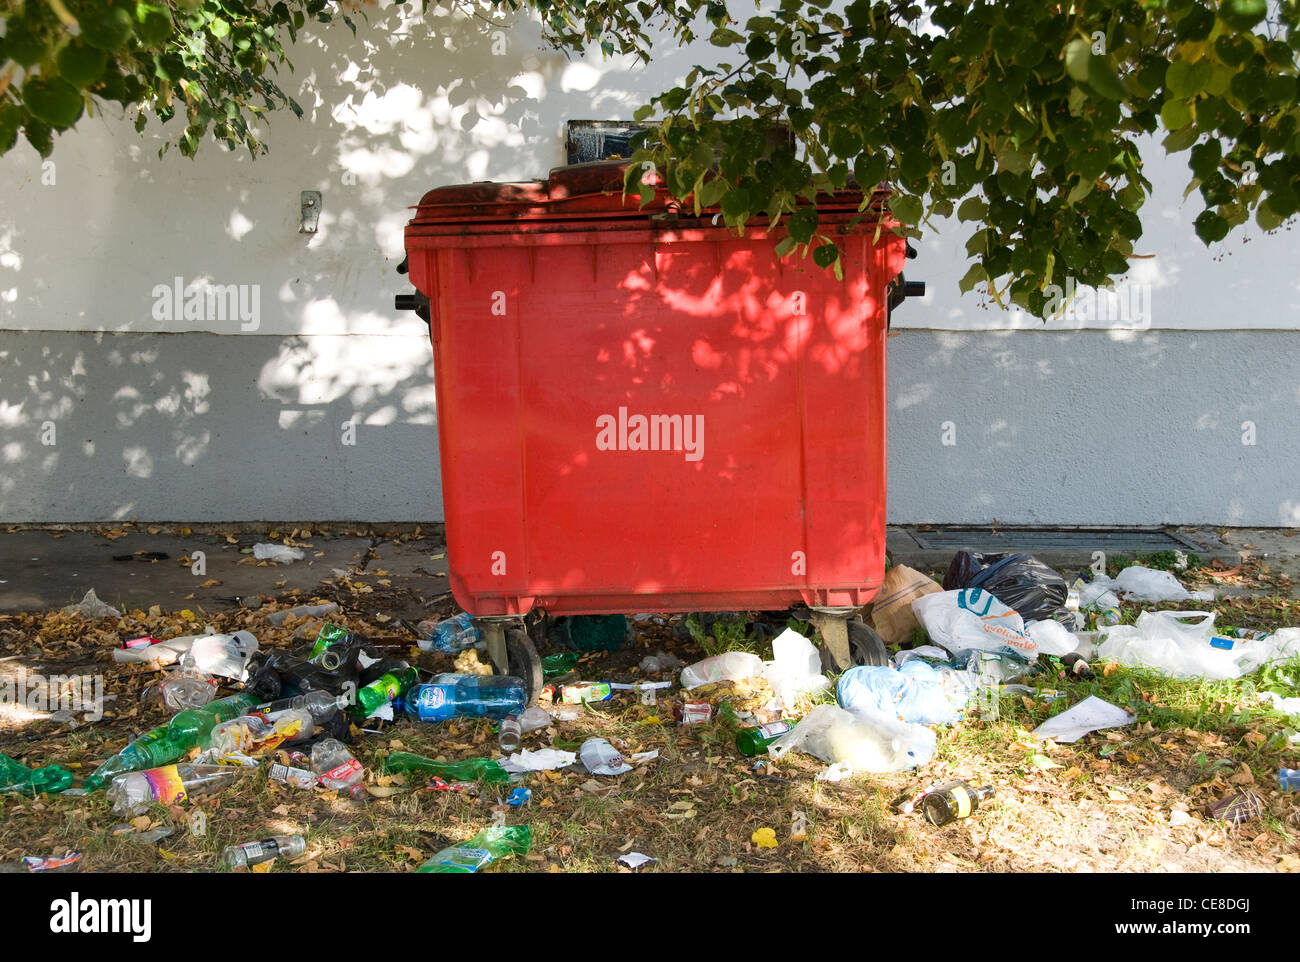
1176,643
728,666
865,743
973,620
795,668
1051,637
277,553
224,655
1139,583
91,607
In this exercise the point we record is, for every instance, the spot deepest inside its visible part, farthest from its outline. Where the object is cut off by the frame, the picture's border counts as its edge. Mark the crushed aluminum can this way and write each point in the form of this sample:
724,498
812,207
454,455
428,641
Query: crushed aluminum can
696,713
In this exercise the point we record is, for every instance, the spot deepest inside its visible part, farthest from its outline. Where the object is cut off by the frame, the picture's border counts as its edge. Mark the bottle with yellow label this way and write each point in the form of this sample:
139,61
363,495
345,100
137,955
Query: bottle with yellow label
947,803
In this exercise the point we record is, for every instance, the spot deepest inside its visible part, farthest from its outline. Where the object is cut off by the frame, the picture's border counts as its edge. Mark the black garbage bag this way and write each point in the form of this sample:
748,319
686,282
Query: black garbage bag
1019,581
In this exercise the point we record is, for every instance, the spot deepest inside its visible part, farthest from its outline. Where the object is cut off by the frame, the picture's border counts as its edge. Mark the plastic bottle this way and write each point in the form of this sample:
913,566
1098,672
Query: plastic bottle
947,803
754,741
321,705
168,743
136,791
250,853
1288,779
467,696
452,635
17,777
382,690
336,766
482,850
469,770
330,635
187,688
509,735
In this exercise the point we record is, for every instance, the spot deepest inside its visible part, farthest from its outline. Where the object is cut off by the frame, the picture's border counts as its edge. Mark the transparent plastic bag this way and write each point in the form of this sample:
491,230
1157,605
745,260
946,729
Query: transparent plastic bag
866,743
1175,643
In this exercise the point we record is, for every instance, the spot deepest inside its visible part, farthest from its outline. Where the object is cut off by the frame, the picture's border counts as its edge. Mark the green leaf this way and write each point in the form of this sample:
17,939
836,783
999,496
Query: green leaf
1080,191
220,28
106,28
712,192
784,246
11,118
1175,114
906,207
973,208
642,112
23,45
55,102
802,223
870,169
722,37
1078,53
81,65
40,136
735,202
1009,158
826,255
1184,78
974,276
1267,218
155,24
1210,227
1103,79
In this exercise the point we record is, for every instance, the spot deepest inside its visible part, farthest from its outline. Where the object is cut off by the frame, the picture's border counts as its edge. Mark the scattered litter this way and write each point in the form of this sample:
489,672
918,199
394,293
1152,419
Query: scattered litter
634,860
91,607
1139,583
948,803
891,613
1051,637
248,854
488,846
865,743
795,668
917,692
277,553
62,863
159,654
729,666
518,797
1020,581
1090,715
695,713
834,773
226,656
1238,808
601,758
1168,642
660,662
543,760
974,620
640,758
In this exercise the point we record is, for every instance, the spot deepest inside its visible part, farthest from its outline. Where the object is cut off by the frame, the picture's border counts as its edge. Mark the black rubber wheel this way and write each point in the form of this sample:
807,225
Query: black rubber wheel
524,661
865,646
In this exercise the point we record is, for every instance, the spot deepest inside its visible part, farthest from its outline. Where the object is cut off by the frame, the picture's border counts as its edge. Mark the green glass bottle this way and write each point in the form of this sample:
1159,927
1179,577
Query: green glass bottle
754,741
17,777
330,634
383,690
169,743
469,770
488,846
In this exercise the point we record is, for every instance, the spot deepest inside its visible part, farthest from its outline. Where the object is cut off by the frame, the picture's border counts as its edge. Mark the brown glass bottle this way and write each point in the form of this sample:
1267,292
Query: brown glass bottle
952,801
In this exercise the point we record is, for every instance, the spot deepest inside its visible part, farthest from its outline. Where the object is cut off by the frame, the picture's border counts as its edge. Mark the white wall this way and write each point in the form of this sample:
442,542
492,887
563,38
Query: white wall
234,419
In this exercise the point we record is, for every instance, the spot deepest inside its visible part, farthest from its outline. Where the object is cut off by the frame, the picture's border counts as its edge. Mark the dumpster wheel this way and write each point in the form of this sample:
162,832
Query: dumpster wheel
865,645
524,662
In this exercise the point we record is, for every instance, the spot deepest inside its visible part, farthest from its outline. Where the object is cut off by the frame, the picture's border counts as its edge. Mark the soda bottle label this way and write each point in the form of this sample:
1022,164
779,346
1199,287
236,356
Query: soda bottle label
298,777
344,771
774,729
165,785
469,859
960,796
260,851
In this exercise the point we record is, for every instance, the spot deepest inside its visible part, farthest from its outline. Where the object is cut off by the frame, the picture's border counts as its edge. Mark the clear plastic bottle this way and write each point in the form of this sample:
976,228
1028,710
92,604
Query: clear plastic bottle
728,666
337,767
468,696
187,688
136,791
320,704
250,853
452,635
533,718
509,735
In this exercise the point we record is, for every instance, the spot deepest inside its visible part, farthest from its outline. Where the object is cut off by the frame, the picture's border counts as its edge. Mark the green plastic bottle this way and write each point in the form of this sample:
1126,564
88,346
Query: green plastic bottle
330,634
382,690
488,846
169,743
469,770
17,777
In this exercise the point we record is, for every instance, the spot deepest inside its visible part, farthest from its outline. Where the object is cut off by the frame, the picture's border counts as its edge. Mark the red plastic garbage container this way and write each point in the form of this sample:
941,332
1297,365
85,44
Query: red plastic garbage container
640,410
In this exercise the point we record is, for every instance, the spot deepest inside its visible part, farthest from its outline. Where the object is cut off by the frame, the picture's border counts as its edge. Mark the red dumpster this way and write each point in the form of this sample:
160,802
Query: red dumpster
639,410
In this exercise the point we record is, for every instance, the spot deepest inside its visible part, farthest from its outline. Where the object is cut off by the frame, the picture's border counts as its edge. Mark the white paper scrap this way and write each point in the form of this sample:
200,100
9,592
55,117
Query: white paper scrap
1090,715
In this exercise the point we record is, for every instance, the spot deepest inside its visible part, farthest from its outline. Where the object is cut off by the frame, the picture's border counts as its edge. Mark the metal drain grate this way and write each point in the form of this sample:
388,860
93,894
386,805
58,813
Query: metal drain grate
1113,540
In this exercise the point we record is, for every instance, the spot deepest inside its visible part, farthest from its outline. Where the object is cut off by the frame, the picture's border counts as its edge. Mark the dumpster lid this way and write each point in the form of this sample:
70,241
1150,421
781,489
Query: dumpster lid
590,190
